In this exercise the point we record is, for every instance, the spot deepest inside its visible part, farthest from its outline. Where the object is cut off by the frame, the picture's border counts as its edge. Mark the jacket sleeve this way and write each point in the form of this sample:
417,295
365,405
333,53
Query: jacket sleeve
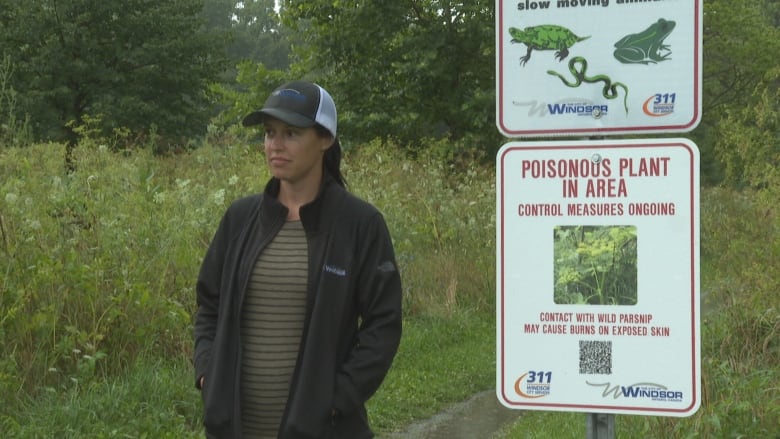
379,306
207,291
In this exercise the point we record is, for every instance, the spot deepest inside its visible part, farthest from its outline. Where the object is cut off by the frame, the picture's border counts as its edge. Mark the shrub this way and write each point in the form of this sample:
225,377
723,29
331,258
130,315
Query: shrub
99,265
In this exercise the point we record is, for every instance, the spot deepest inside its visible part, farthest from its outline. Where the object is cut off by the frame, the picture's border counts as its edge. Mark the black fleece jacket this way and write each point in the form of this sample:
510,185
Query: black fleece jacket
353,313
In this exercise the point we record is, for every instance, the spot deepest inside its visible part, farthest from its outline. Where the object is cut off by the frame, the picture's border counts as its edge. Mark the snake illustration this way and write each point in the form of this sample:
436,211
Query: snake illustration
610,89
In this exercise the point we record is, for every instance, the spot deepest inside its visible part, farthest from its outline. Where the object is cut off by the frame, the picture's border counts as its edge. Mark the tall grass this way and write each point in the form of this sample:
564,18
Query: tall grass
97,270
98,267
443,224
99,264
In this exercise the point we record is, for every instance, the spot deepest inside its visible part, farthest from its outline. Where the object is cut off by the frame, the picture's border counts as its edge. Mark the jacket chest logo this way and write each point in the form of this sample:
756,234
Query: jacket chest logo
332,269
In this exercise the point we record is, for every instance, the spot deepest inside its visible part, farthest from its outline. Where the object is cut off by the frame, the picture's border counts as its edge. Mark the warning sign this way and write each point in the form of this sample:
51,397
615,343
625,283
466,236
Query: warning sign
598,276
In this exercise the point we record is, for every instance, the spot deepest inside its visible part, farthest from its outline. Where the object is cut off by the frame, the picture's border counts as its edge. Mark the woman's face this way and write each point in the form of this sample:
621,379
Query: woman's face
294,154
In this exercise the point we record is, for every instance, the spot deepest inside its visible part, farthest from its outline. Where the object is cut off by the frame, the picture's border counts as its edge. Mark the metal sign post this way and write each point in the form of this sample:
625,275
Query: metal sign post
600,426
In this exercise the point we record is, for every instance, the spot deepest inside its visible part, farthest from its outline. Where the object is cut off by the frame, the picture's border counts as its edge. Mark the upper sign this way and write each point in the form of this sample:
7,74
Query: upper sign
584,67
597,288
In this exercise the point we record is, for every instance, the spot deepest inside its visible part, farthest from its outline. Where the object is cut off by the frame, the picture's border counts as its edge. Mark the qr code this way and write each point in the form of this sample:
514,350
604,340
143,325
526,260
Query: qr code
595,357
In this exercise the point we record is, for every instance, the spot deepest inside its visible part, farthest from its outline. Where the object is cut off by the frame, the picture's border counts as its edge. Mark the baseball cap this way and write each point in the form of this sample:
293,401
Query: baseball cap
297,103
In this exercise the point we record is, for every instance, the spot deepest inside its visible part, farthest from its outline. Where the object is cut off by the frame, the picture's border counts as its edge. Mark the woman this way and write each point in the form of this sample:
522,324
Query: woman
299,295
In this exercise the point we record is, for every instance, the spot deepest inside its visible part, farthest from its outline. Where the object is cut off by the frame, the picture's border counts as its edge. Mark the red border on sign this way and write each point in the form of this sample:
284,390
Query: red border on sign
594,407
636,129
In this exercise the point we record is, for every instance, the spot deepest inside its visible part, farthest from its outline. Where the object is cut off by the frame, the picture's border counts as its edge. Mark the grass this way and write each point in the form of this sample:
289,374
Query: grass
151,400
440,361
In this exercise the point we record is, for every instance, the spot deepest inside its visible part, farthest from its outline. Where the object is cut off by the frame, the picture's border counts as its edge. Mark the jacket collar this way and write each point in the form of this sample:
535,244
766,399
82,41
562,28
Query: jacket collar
312,212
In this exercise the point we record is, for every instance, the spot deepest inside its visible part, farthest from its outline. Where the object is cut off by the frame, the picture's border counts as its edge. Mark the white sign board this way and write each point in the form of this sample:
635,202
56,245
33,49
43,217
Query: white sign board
597,288
585,67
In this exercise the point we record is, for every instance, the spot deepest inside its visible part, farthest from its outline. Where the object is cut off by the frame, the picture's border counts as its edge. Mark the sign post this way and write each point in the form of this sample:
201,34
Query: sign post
600,426
597,276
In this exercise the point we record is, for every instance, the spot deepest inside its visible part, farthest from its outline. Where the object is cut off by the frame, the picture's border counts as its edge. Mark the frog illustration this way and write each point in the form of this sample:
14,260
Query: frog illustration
645,47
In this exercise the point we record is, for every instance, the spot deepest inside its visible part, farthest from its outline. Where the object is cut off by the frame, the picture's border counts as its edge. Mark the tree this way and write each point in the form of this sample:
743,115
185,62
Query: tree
414,69
254,31
258,55
749,141
135,64
406,69
741,44
260,35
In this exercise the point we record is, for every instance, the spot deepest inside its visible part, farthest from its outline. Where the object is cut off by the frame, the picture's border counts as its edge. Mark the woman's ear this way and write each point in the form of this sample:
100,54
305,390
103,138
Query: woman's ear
327,142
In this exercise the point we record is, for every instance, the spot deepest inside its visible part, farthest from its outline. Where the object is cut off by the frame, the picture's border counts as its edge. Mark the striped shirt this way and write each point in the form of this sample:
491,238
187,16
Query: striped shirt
271,326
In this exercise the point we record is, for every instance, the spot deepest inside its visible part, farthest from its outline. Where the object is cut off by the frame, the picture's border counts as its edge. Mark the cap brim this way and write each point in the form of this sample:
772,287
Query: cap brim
290,118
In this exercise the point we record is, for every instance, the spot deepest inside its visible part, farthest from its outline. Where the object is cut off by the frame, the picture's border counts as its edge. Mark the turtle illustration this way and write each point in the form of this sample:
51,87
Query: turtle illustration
545,37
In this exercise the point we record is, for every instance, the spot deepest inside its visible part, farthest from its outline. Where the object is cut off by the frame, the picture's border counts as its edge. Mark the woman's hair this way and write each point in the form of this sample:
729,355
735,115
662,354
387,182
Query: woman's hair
331,162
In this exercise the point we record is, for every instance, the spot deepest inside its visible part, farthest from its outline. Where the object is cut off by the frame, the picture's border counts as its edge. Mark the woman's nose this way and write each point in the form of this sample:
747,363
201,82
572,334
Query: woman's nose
273,142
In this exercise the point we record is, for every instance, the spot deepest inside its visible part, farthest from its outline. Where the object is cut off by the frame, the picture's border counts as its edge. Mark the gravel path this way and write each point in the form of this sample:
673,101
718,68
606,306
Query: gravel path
479,417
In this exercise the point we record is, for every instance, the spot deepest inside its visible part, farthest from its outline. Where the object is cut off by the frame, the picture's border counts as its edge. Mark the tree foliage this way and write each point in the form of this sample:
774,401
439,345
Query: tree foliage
253,82
741,47
258,54
14,131
749,140
407,69
254,31
418,68
131,64
260,35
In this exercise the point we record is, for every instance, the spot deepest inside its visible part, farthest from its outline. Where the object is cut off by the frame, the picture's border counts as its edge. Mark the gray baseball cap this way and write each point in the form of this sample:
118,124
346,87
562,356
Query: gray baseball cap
297,103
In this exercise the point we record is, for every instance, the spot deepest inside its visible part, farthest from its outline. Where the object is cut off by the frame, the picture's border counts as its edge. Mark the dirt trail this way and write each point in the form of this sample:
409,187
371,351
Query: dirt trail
479,417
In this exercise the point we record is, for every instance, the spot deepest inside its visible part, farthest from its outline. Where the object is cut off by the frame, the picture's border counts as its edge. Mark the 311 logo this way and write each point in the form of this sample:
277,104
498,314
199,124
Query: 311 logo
534,384
659,104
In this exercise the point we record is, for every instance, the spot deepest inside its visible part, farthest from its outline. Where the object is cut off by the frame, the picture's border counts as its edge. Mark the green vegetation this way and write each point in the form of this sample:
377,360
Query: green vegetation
132,65
98,266
98,269
170,73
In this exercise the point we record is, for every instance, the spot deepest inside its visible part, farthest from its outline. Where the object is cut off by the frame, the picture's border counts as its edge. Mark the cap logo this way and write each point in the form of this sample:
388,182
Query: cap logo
290,93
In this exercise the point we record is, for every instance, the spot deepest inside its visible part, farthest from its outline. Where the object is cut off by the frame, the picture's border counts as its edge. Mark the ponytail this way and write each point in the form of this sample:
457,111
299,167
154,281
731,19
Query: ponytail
331,163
